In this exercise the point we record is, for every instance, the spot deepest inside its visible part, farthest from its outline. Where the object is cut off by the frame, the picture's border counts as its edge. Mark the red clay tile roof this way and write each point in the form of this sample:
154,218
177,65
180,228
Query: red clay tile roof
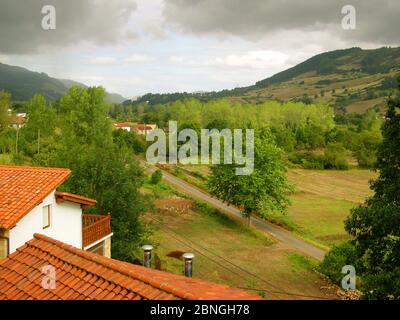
23,188
83,201
18,120
85,275
141,126
121,124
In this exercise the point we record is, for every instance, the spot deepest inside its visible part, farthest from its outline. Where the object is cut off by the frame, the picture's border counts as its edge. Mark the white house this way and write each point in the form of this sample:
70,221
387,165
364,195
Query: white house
17,122
29,204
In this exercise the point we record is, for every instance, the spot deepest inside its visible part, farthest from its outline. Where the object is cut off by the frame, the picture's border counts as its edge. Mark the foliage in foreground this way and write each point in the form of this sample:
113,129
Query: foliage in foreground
339,256
375,225
77,134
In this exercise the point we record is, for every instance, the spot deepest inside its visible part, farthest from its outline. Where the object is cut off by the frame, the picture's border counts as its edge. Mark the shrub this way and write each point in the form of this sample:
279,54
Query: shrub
156,177
339,256
335,157
307,160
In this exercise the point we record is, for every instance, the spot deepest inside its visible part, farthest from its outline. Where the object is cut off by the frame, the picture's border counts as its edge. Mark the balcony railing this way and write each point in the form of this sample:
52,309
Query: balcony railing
94,228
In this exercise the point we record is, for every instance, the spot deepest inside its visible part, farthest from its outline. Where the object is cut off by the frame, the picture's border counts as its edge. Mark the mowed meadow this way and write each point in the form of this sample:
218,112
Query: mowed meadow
320,203
323,200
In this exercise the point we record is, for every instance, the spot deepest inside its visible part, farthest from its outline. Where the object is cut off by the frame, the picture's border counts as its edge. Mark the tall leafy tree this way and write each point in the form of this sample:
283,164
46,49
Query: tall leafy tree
101,169
38,134
5,104
265,190
376,223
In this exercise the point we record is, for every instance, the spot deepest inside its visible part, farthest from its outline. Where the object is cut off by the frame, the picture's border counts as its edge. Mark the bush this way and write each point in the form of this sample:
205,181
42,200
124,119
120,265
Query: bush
365,158
156,177
335,157
339,256
307,160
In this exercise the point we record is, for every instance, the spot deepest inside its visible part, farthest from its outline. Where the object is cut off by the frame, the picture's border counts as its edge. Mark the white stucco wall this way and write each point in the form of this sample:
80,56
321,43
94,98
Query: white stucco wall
66,224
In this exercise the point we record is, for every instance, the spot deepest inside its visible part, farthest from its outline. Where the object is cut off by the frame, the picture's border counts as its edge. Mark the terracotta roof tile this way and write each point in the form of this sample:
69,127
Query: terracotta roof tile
121,124
85,275
23,188
66,196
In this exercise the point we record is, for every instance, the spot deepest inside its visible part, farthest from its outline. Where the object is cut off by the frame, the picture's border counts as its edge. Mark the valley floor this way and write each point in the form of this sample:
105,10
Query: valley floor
321,202
228,252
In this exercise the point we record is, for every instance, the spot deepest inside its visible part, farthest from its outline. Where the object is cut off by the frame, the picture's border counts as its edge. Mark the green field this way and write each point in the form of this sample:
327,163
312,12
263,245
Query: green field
227,252
323,200
320,204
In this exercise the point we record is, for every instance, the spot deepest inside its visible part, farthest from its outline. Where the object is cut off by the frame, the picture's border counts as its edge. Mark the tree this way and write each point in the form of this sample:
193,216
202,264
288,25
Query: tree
130,140
38,133
5,104
265,190
101,168
366,144
375,225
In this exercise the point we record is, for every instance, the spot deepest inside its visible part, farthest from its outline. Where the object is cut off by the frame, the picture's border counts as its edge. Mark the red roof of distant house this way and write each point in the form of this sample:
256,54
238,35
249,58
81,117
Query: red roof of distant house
85,275
143,127
23,188
18,120
121,124
83,201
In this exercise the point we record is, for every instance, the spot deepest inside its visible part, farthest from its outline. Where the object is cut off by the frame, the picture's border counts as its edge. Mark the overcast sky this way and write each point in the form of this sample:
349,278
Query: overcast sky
137,46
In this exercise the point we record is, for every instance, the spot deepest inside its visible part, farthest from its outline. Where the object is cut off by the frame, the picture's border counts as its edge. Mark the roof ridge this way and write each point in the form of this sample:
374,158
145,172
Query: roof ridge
23,187
33,168
108,263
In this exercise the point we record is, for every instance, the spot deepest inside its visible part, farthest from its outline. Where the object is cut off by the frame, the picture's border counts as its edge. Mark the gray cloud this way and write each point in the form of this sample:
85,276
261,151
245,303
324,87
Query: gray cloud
377,20
94,21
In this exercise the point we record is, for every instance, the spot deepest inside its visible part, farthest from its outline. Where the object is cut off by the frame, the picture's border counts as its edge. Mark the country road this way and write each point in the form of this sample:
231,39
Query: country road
277,232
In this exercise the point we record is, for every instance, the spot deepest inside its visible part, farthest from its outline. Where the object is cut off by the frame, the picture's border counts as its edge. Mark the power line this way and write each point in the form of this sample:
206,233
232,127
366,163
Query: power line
202,254
286,293
233,264
226,260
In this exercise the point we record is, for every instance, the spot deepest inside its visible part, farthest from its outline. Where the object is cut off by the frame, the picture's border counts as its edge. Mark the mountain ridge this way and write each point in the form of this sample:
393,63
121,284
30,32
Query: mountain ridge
351,79
23,83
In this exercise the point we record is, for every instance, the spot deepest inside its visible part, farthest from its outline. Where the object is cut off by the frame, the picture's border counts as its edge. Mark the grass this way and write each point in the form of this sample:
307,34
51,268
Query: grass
364,105
291,89
225,248
319,218
322,201
159,190
5,159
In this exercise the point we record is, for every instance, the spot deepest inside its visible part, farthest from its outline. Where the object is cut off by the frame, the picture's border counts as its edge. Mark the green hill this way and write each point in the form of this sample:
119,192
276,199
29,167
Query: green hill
351,80
23,84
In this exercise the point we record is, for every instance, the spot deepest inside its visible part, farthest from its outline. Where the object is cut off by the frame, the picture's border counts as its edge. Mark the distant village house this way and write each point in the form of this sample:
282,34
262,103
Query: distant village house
144,129
123,126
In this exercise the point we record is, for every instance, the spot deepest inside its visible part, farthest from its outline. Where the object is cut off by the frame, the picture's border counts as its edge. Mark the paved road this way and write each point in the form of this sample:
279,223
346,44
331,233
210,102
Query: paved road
279,233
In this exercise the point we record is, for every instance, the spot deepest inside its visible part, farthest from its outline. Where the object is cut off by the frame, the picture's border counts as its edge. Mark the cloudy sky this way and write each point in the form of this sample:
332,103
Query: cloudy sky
137,46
